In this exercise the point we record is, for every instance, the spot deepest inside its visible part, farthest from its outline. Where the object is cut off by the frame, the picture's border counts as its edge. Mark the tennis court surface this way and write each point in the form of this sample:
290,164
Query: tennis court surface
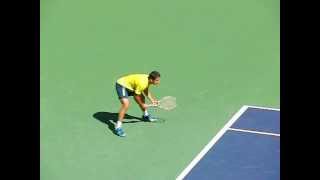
213,56
247,147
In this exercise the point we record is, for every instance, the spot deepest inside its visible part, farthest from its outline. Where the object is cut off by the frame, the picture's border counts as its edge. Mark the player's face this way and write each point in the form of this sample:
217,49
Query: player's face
156,81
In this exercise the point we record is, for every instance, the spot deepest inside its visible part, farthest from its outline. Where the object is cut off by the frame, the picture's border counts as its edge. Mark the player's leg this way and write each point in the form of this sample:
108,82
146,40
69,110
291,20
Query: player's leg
140,99
123,97
123,109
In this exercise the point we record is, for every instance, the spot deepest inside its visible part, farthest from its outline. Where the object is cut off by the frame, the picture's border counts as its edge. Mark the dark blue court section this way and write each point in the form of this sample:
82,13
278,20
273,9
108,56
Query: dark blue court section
259,120
240,156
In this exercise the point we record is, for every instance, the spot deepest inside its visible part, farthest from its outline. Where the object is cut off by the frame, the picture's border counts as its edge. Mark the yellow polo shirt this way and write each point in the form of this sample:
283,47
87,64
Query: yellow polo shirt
135,82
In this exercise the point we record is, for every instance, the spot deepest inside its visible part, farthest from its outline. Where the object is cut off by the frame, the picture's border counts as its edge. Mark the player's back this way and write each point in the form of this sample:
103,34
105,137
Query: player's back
132,81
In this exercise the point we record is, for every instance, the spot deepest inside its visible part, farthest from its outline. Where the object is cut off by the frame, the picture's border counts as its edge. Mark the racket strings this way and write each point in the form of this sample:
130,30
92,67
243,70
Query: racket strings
168,103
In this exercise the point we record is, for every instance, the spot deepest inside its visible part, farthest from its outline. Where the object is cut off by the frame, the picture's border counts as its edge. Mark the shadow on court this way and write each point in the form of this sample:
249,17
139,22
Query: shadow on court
111,118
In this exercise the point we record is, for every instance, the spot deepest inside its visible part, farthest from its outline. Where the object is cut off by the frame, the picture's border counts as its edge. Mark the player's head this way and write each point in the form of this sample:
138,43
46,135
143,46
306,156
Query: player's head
154,78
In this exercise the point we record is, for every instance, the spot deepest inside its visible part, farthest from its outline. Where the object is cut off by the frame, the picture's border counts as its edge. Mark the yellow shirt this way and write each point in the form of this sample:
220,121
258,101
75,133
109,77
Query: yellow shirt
135,82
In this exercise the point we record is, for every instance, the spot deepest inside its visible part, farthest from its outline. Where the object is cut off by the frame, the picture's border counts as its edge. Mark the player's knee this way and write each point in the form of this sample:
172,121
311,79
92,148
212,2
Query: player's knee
126,105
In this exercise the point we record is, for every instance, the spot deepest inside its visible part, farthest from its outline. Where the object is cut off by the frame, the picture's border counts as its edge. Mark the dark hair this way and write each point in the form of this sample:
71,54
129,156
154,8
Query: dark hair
154,75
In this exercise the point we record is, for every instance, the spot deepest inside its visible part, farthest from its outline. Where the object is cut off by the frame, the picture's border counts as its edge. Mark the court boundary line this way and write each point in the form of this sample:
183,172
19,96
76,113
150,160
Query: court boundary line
215,139
260,107
254,132
212,142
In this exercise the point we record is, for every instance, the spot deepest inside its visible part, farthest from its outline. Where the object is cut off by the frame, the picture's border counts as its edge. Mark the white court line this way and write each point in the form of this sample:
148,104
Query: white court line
259,107
211,143
217,137
255,132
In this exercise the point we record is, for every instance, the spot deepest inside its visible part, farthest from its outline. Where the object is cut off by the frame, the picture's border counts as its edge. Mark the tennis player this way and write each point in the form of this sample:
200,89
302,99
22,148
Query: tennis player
136,85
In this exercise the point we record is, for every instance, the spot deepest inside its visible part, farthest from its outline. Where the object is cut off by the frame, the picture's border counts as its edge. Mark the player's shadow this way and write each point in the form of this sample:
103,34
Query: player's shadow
111,118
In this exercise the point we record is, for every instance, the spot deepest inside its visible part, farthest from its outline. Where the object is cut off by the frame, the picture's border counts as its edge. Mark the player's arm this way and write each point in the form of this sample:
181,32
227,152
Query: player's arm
140,101
147,93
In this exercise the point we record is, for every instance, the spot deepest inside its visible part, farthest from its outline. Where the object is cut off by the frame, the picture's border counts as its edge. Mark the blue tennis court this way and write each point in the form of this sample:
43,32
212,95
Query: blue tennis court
247,147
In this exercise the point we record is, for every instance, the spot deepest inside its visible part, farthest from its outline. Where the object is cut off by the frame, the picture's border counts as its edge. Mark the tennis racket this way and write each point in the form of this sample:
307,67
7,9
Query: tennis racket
166,103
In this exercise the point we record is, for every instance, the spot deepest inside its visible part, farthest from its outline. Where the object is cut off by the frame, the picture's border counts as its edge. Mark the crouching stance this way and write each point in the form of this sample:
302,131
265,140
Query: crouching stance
136,85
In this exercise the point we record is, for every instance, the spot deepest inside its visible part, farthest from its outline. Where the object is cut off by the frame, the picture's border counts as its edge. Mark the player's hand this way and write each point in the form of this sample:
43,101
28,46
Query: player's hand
155,102
145,106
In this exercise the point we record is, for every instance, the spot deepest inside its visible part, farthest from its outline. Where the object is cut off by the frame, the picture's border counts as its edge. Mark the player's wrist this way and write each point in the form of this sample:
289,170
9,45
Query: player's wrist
145,106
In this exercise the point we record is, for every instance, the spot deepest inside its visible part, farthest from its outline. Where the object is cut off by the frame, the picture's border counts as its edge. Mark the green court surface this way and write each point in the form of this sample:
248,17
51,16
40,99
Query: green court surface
213,55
